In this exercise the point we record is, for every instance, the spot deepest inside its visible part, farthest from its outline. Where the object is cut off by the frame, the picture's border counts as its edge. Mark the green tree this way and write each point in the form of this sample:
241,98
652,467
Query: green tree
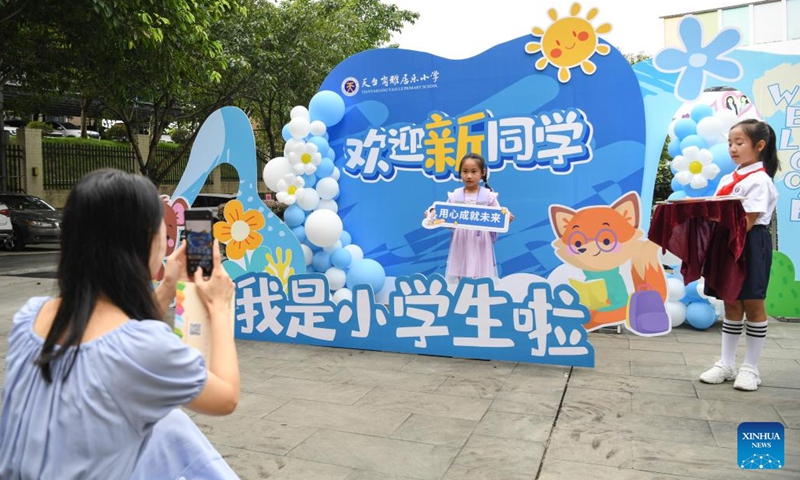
133,56
291,47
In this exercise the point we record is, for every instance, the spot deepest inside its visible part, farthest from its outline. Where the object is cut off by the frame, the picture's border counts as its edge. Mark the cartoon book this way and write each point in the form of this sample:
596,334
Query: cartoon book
593,294
191,319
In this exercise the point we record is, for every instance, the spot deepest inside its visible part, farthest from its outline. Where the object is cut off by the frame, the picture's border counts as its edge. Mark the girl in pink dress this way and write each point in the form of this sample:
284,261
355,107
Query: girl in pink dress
472,251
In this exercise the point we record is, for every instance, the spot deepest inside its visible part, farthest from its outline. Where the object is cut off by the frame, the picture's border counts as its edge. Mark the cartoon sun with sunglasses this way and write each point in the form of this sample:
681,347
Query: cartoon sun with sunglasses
569,42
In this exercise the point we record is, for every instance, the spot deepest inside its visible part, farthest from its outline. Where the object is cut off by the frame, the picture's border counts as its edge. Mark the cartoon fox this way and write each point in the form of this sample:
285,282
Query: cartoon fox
601,239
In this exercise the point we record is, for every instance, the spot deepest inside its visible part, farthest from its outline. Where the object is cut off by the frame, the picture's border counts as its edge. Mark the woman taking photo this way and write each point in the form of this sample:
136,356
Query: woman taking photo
94,376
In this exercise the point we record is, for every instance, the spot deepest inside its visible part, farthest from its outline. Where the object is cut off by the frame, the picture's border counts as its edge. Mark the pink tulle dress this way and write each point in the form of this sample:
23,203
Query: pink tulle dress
472,251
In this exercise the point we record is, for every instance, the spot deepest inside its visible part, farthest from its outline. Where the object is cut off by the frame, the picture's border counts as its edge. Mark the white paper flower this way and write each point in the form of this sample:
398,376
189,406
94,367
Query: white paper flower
695,167
304,158
289,187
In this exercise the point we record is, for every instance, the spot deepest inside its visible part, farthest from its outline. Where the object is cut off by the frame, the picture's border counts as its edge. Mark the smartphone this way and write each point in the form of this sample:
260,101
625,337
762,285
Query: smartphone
199,241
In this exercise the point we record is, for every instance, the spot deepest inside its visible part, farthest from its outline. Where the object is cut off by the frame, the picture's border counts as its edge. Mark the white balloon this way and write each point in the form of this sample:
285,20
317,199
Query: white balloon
327,188
275,170
336,278
710,128
334,247
328,205
355,252
299,111
299,127
336,173
307,253
308,199
676,312
323,228
727,118
318,128
342,294
701,288
291,146
675,290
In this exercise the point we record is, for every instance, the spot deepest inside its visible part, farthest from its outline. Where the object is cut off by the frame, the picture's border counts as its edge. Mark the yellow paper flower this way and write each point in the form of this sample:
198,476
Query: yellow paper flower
239,230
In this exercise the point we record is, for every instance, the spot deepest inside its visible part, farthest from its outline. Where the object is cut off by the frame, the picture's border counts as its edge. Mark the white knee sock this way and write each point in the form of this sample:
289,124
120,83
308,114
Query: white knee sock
756,333
731,331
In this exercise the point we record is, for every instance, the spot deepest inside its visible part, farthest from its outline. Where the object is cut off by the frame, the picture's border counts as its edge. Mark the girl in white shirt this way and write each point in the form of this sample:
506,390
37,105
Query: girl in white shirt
752,147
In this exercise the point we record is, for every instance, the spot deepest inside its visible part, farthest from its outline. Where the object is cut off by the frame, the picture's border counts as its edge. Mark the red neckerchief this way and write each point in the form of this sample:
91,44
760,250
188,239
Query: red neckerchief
728,189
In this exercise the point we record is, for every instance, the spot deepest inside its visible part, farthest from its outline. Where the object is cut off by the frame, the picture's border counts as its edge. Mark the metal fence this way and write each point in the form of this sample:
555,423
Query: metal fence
168,154
65,163
15,169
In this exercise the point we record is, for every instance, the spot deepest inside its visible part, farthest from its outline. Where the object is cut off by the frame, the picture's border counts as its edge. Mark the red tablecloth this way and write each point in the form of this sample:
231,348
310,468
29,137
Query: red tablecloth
708,237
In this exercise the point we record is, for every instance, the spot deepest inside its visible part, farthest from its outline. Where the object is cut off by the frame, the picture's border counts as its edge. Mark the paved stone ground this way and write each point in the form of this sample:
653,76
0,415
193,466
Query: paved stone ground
323,413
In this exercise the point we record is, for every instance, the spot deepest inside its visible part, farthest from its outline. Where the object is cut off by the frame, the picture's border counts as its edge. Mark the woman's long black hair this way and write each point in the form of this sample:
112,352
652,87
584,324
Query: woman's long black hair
108,226
757,130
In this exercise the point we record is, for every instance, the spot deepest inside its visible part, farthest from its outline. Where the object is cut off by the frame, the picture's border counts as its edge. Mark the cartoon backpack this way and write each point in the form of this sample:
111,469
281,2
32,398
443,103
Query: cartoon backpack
646,313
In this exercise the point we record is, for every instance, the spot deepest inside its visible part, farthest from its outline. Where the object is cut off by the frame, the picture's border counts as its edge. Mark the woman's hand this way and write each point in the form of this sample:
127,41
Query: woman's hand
176,266
217,290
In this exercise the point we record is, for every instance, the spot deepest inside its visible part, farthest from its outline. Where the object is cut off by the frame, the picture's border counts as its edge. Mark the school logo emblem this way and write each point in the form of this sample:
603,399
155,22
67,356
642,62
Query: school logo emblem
350,86
760,446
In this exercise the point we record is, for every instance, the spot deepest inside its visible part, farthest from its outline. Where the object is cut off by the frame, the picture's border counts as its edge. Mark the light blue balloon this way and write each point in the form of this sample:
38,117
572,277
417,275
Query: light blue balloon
346,239
294,216
691,293
675,184
320,142
366,272
325,168
310,179
677,195
674,148
722,158
693,141
300,232
341,258
321,261
326,106
700,112
285,133
706,191
701,315
330,153
685,127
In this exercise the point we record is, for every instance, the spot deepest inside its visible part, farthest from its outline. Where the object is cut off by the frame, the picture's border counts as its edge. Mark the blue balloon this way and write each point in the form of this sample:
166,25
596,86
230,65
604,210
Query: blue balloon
722,158
692,295
320,142
310,179
285,133
321,261
677,195
685,127
700,112
674,148
366,272
294,216
330,153
706,191
326,106
325,168
693,141
313,247
341,258
675,184
701,315
346,239
300,232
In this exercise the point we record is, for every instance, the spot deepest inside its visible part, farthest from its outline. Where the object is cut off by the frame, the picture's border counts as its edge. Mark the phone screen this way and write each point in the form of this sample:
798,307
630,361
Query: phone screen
199,244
